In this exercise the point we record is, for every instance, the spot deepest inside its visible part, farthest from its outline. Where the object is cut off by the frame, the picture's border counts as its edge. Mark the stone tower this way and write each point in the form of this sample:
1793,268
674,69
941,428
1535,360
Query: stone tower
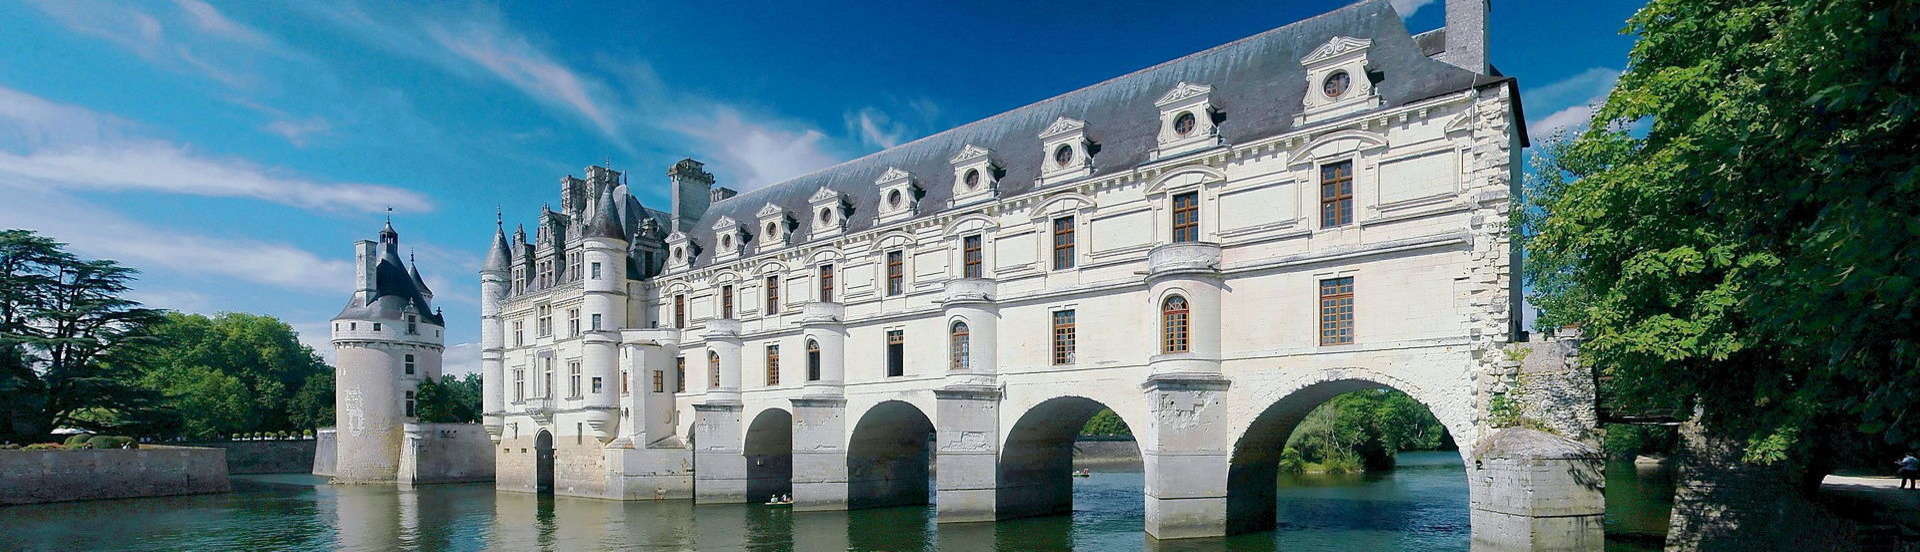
386,341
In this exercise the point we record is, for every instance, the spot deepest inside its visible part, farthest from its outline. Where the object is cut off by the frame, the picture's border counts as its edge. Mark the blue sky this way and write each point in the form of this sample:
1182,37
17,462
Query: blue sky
234,151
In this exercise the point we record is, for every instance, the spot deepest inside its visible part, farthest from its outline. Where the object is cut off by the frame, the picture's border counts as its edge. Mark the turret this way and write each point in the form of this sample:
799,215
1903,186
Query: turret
604,305
386,341
413,272
494,274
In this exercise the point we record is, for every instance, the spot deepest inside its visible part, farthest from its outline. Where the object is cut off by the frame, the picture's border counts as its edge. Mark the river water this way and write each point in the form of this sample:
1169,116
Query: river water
1422,505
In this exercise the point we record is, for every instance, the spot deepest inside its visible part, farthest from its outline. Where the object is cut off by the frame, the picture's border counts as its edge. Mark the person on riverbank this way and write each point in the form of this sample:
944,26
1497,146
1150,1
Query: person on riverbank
1909,472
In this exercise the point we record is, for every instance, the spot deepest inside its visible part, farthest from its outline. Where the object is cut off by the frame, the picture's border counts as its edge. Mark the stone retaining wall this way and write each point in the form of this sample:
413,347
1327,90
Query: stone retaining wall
289,456
1106,454
32,477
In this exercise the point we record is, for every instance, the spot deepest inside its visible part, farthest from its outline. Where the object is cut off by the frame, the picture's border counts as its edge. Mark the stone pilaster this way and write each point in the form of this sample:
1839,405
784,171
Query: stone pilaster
720,466
819,453
1186,448
968,446
1532,491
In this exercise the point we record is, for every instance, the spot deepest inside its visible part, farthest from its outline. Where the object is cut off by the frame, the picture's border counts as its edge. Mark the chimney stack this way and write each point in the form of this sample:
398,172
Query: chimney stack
692,192
1467,34
364,258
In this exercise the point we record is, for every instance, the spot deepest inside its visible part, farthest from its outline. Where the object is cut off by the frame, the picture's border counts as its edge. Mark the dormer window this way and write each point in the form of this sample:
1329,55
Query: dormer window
732,237
1338,71
974,174
1187,118
1065,143
774,223
901,195
829,210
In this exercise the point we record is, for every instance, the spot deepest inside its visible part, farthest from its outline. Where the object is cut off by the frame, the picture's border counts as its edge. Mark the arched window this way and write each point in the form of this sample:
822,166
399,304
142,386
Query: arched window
1173,325
813,360
961,342
713,369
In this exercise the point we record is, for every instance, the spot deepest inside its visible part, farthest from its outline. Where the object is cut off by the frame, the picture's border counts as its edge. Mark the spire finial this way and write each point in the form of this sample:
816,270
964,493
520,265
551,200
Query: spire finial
389,214
497,219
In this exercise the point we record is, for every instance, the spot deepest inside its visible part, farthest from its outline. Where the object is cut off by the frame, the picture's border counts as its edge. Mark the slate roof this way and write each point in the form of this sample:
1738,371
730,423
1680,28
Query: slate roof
395,287
1257,82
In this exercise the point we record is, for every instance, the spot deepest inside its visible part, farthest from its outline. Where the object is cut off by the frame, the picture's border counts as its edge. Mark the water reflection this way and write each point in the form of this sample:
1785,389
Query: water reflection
1422,506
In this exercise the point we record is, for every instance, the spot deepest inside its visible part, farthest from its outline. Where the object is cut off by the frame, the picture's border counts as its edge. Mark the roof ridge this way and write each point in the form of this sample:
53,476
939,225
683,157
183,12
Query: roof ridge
1010,112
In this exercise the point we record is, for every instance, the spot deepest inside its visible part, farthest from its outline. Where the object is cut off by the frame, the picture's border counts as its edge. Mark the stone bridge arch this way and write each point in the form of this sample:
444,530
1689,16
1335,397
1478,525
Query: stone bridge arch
1035,467
768,447
889,456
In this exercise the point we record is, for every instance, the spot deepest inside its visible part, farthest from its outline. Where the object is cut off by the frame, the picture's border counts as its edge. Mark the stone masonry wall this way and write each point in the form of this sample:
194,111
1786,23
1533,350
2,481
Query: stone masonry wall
32,477
290,456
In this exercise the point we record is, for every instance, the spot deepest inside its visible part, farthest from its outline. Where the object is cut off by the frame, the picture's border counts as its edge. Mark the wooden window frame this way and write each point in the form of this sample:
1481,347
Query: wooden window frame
680,374
773,365
896,272
773,294
1186,217
659,381
1336,195
1336,311
813,360
1176,325
726,301
826,283
680,311
1064,340
960,340
970,256
1063,251
713,370
896,353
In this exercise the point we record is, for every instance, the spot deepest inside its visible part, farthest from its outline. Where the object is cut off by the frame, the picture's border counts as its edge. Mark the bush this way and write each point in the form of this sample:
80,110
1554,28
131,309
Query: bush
44,446
9,446
112,442
77,438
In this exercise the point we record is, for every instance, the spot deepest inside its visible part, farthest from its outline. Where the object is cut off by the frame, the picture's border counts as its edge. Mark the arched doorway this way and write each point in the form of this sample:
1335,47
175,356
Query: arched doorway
769,452
1260,463
1036,464
889,457
543,462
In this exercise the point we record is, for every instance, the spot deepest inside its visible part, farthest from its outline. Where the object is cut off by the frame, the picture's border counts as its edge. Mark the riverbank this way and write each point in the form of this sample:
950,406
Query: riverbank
1106,455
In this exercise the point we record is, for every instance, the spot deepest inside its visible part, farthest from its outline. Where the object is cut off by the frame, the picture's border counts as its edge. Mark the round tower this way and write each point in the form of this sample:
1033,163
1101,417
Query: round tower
493,291
386,341
604,255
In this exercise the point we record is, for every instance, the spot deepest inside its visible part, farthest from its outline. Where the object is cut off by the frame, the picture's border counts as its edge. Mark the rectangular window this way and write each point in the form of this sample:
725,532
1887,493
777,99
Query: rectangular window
413,325
896,272
726,301
773,365
410,412
826,283
896,353
573,267
713,370
1186,217
543,326
1336,311
960,343
813,360
1063,243
519,333
773,295
596,385
596,271
546,377
626,376
1063,337
679,311
596,322
519,384
573,322
680,374
376,326
970,256
1336,194
409,364
573,378
659,381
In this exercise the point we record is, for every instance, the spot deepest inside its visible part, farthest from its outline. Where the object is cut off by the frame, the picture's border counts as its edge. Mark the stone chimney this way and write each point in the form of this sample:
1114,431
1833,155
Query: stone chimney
364,257
692,193
1467,34
722,192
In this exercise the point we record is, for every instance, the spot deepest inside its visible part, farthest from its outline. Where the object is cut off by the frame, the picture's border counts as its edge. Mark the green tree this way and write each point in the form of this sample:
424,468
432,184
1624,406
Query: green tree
1368,428
65,333
1106,424
451,400
1736,235
261,352
312,406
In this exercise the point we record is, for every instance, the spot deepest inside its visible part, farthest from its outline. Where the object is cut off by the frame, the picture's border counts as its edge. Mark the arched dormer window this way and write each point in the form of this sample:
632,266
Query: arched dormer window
1173,325
813,360
961,341
713,369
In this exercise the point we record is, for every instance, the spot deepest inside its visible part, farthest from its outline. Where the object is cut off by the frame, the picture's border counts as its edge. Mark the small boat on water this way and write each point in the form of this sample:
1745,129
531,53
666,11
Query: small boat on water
1083,473
783,500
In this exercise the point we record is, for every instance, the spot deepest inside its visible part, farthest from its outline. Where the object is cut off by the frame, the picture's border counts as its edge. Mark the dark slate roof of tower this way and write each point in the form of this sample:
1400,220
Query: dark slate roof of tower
1258,82
499,256
396,288
603,221
413,273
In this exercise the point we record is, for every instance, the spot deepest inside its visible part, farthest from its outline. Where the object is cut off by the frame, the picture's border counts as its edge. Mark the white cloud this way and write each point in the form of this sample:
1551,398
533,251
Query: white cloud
1570,102
1407,7
318,336
459,360
296,131
100,232
517,61
70,147
875,128
173,299
759,154
204,17
146,35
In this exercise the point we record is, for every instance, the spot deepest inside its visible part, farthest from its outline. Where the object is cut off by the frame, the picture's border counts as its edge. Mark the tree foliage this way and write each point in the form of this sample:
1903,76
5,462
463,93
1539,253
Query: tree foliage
235,372
1106,424
66,334
451,400
1740,228
1365,427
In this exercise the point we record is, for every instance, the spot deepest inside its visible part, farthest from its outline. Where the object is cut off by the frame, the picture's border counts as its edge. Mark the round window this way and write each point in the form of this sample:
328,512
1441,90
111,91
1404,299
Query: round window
773,231
678,252
726,242
893,198
826,215
973,178
1063,155
1336,84
1183,123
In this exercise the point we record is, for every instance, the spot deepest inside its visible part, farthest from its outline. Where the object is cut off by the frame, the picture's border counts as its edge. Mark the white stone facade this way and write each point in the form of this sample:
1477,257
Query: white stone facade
1424,240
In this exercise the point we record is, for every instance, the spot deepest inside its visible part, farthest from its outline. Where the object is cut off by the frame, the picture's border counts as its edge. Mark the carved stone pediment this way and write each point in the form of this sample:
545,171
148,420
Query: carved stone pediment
1184,90
824,195
725,224
969,153
1062,125
1333,48
770,210
893,174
